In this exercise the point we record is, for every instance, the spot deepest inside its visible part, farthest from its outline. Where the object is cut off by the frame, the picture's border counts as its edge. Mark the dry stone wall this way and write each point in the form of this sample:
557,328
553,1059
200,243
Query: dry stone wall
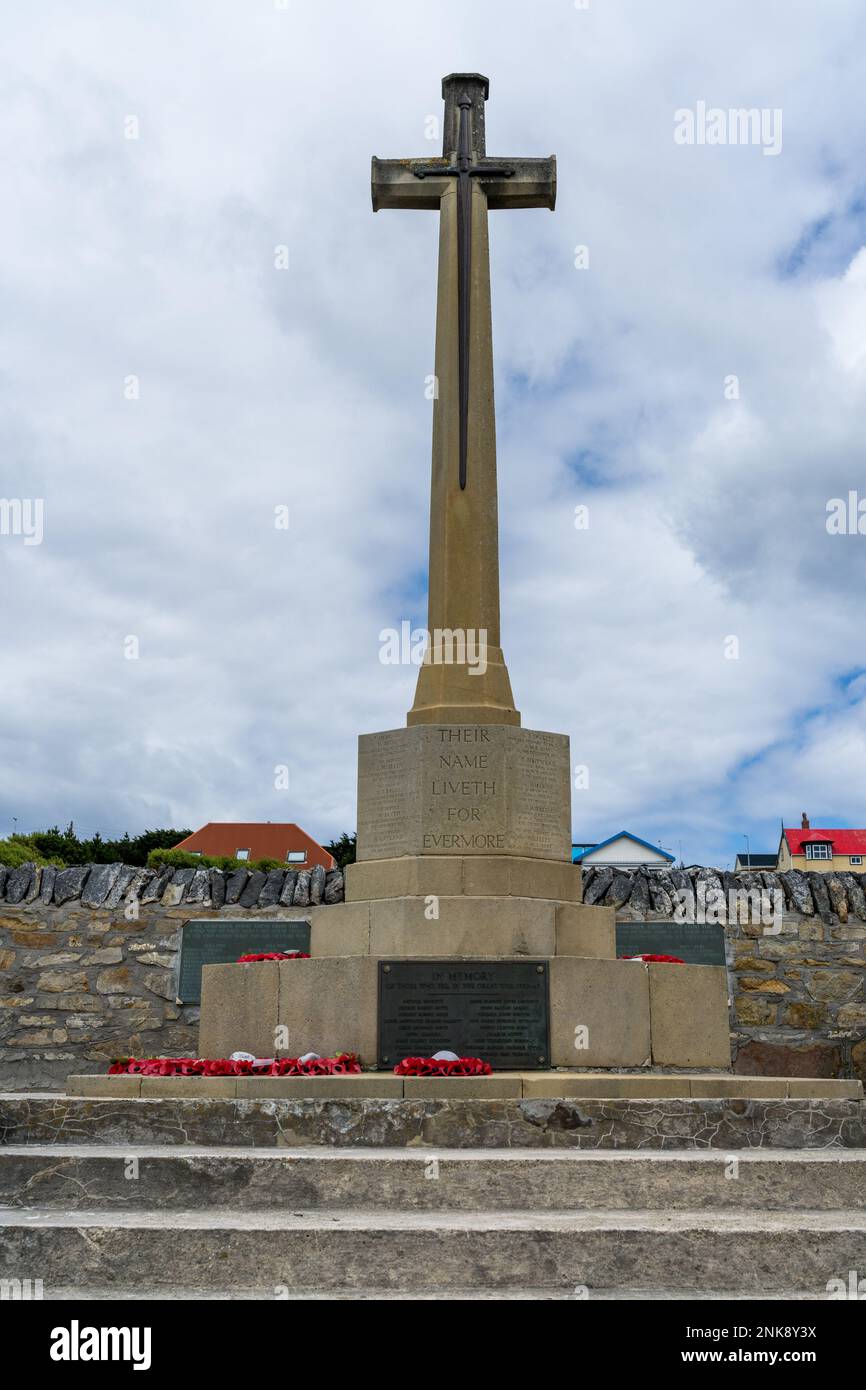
89,958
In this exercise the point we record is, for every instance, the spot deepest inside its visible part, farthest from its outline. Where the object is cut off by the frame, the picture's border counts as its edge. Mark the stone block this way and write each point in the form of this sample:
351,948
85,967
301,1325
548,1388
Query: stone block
103,1085
328,1005
776,1059
742,1087
188,1087
495,876
239,1009
559,1085
585,931
689,1015
464,790
464,927
500,1086
343,929
367,1085
801,1088
599,1013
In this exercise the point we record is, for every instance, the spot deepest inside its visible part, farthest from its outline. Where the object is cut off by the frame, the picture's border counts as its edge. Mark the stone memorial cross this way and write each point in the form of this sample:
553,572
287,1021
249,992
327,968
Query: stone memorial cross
464,535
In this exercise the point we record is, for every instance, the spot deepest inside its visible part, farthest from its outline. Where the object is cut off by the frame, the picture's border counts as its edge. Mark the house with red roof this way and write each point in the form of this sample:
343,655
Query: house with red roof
828,851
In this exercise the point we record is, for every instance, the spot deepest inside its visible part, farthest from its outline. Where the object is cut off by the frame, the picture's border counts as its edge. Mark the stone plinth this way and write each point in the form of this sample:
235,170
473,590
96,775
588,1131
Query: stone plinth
603,1013
458,790
495,876
464,926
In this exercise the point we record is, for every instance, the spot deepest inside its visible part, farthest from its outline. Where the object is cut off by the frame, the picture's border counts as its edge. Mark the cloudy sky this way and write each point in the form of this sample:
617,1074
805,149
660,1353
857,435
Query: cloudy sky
165,386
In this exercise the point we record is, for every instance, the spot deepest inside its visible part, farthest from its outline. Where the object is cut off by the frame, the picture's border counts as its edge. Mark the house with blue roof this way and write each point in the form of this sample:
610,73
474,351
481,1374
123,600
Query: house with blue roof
622,851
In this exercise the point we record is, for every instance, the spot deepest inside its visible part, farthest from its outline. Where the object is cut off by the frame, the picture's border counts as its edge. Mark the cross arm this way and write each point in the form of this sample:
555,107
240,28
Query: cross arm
409,183
531,183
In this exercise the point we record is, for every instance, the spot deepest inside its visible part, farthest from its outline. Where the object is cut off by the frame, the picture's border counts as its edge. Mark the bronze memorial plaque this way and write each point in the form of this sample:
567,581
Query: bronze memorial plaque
497,1010
220,943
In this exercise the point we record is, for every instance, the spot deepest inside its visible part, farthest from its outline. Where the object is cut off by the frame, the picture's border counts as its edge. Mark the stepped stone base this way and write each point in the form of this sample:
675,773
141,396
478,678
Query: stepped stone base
603,1013
725,1124
550,1085
356,1247
495,876
464,926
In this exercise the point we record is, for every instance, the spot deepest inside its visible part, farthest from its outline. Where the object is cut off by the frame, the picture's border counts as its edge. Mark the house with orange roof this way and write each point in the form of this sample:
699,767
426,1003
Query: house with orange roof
251,840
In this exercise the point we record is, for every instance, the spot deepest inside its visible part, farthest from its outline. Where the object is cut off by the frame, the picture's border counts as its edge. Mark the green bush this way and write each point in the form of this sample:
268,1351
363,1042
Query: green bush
182,859
20,849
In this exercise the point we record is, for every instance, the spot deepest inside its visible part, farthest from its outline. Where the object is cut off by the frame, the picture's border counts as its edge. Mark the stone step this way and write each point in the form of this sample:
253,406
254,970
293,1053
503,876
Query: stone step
743,1252
723,1123
82,1177
503,1085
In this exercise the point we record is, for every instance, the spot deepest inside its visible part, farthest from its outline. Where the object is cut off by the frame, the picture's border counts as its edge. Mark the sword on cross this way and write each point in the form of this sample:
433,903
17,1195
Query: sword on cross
506,183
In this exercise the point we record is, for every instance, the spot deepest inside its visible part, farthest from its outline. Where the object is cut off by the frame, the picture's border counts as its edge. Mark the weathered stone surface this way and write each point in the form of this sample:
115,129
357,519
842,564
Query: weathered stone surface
125,880
721,1124
287,892
639,901
317,884
34,886
56,958
761,985
217,887
176,890
820,894
106,955
160,982
100,881
619,891
802,1015
162,958
598,886
235,884
838,985
777,1059
302,889
18,881
797,892
838,899
59,981
154,889
199,887
7,959
660,897
115,981
46,885
253,887
855,895
334,889
858,1059
272,888
69,883
755,1011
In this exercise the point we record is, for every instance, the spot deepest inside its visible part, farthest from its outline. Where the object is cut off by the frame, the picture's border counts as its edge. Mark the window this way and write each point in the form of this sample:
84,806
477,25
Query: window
196,853
296,856
242,854
856,859
819,850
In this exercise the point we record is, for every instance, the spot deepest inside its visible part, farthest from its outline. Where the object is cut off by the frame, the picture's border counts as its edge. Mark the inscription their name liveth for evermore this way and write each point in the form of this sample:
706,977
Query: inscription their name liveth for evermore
463,789
471,790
